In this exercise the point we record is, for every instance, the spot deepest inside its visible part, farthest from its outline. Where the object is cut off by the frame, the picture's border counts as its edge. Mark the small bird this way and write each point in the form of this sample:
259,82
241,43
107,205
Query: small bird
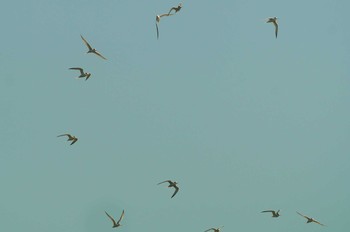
92,50
214,229
70,138
82,74
171,184
309,219
274,213
176,9
274,21
116,224
158,20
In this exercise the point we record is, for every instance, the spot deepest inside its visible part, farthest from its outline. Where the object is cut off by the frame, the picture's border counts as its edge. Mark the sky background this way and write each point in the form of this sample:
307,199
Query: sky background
243,121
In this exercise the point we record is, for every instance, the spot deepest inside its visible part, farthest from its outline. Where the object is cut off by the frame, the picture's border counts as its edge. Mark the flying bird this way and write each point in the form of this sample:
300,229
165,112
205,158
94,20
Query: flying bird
309,219
274,213
91,50
116,224
158,20
171,184
82,74
70,138
214,229
176,9
274,21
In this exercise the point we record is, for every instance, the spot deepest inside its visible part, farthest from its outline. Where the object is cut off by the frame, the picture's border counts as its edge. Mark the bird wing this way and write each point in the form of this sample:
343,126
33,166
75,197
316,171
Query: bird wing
173,8
176,190
210,229
165,15
270,211
74,140
99,54
303,215
111,218
64,135
169,181
157,31
121,217
80,69
318,222
86,43
276,28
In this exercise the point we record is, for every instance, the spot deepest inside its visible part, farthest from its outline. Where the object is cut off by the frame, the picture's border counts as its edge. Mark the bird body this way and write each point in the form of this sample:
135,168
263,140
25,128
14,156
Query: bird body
309,219
82,74
274,213
70,138
91,50
172,184
274,21
115,224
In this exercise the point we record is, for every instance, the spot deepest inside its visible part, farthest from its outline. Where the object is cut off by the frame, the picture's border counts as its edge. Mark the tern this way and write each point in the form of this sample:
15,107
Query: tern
274,213
274,21
214,229
82,74
309,219
171,184
70,138
92,50
176,9
116,224
158,20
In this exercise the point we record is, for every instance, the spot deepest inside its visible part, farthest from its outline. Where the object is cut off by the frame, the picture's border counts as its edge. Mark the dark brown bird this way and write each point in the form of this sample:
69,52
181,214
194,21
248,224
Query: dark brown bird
309,219
116,224
274,21
82,74
214,229
92,50
70,138
274,213
171,184
176,9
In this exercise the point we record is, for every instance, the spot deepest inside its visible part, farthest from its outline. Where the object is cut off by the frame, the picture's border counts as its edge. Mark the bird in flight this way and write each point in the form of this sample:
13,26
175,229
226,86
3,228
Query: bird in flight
171,184
274,213
214,229
91,50
82,74
116,224
309,219
70,138
158,20
176,9
274,21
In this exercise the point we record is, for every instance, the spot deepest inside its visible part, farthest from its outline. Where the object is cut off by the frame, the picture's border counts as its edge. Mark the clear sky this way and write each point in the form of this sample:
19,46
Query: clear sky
243,121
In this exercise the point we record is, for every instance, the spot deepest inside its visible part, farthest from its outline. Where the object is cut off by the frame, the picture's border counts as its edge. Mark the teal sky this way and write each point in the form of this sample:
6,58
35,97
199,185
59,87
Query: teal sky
243,121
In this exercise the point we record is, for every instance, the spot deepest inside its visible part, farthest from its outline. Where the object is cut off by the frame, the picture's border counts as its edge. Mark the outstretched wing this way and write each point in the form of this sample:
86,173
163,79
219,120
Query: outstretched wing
99,54
121,217
169,181
176,190
80,69
303,215
69,136
210,229
318,222
276,28
74,140
86,43
157,31
268,211
111,218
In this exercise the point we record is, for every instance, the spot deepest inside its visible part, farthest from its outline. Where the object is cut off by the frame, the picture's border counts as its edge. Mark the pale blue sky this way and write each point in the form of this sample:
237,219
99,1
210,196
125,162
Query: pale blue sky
243,121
